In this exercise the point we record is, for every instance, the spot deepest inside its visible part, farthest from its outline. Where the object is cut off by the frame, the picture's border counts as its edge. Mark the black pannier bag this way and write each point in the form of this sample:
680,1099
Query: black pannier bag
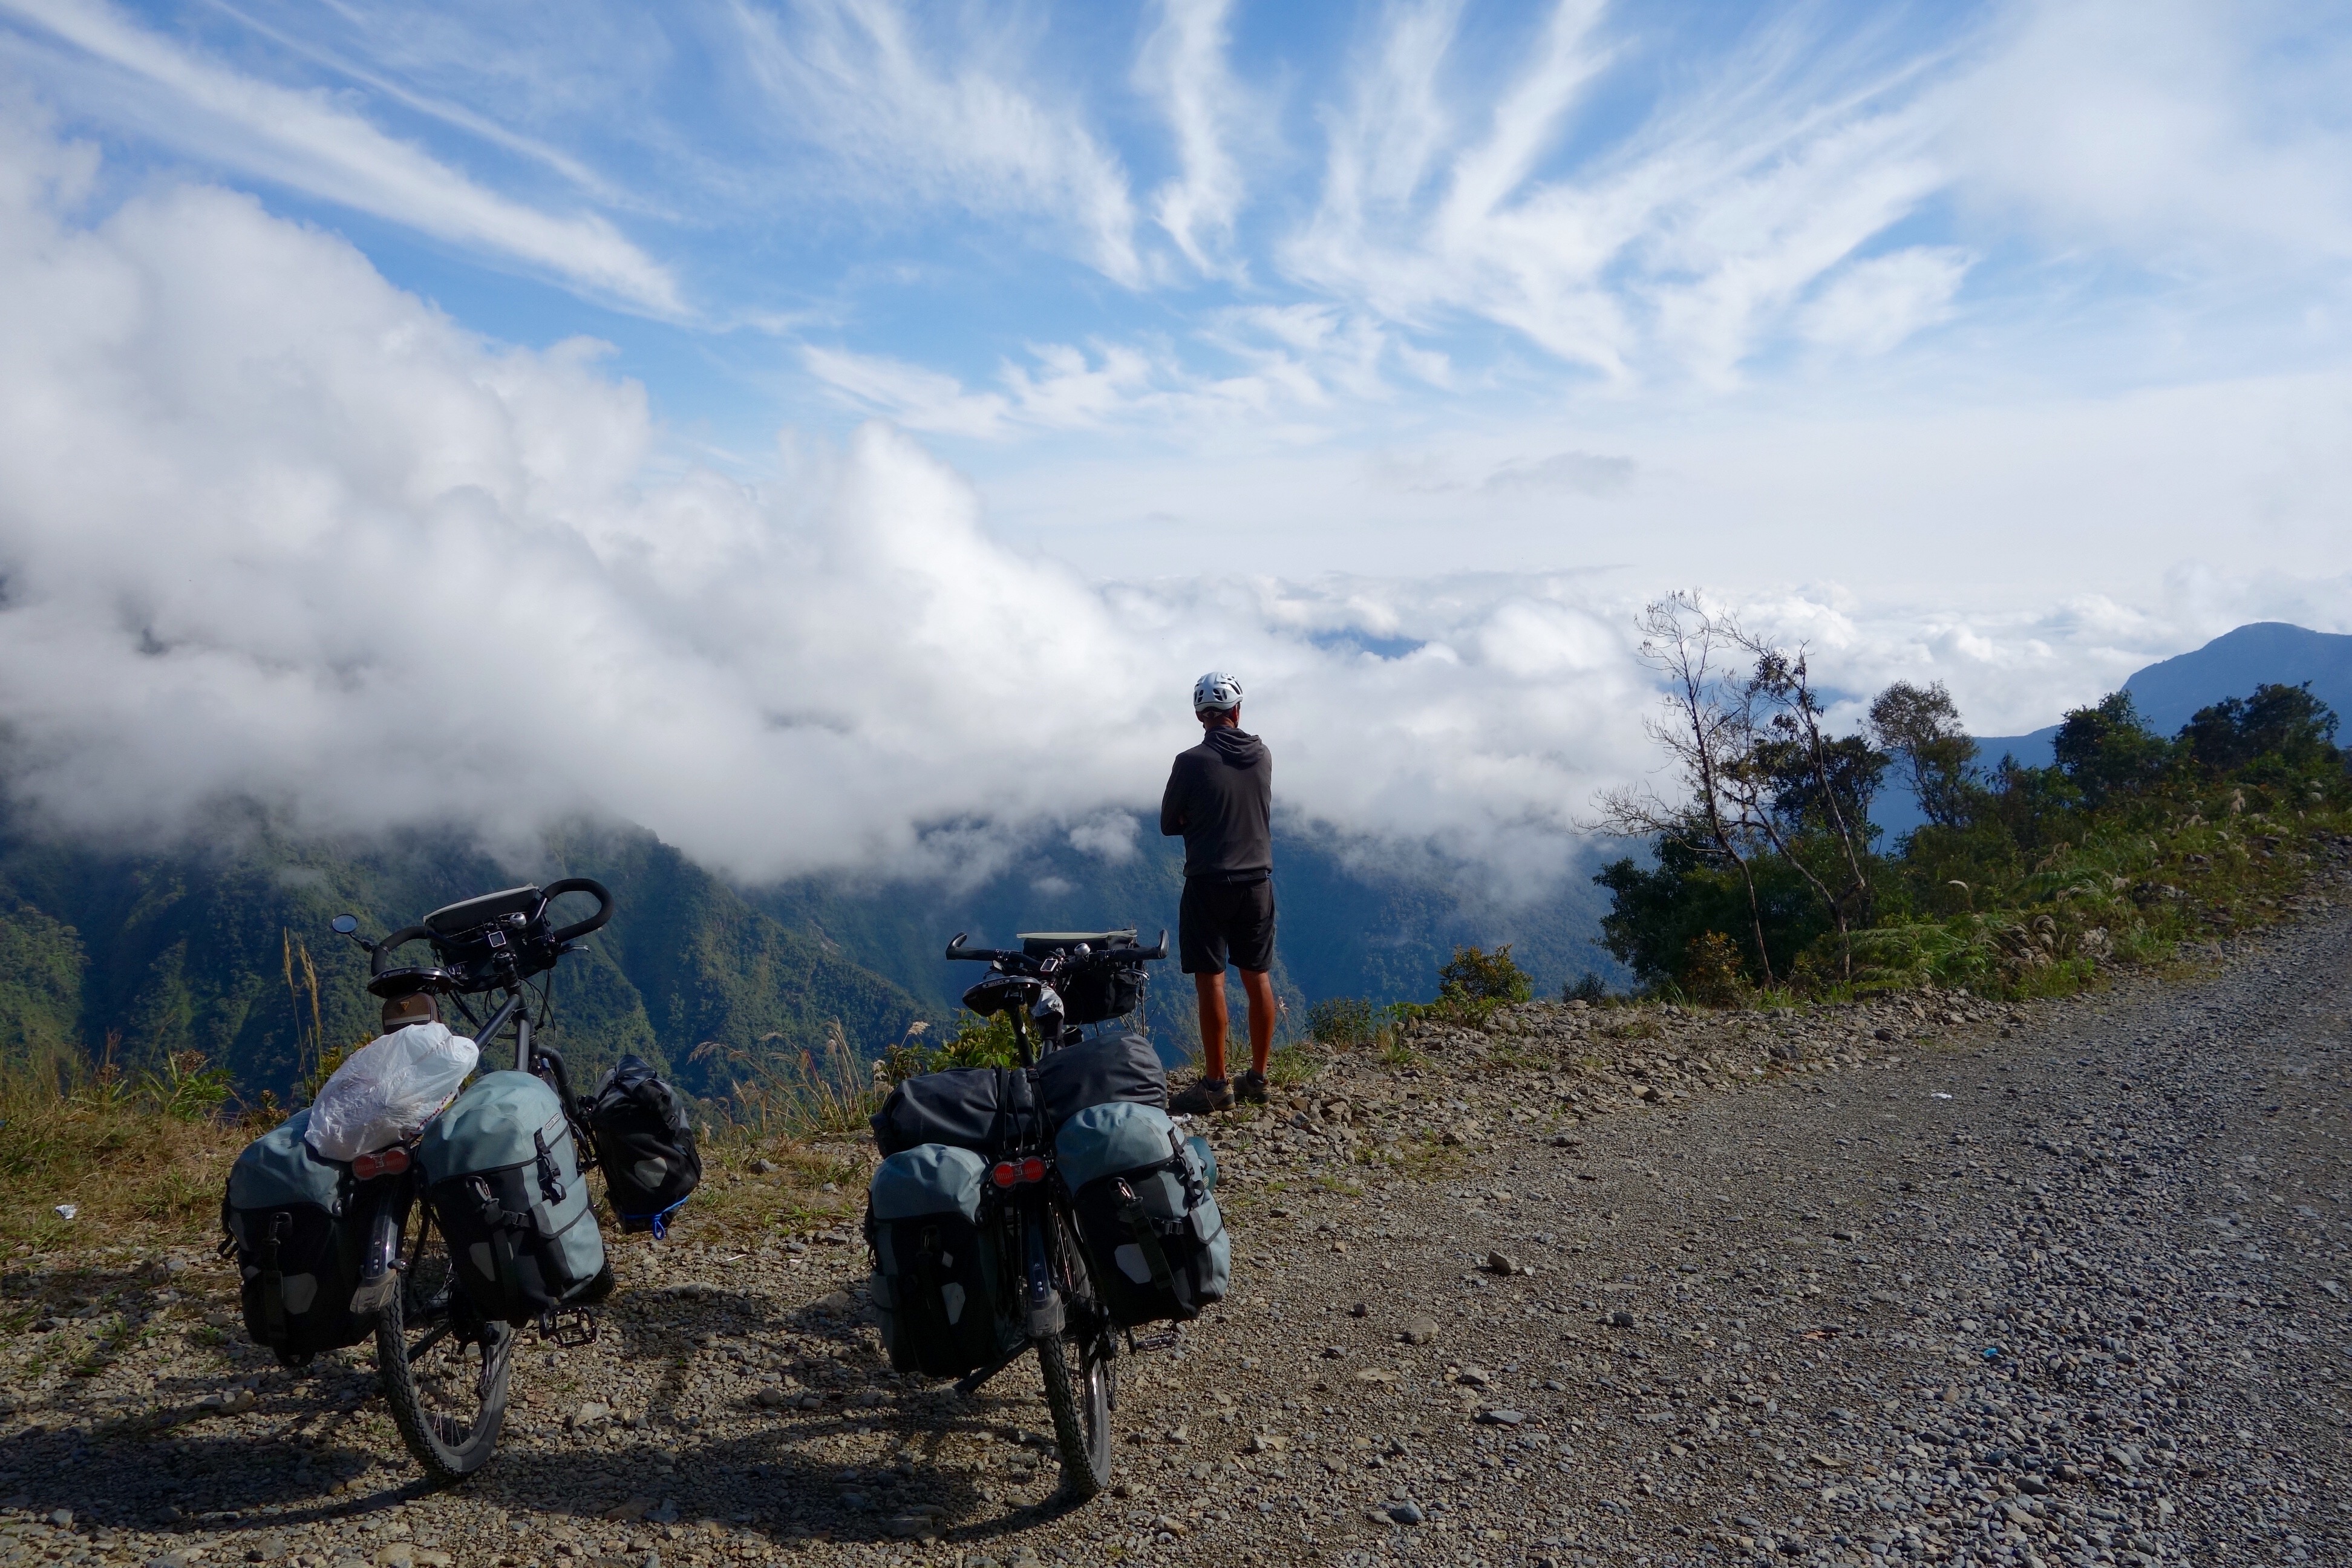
1120,1068
646,1145
978,1108
299,1254
936,1273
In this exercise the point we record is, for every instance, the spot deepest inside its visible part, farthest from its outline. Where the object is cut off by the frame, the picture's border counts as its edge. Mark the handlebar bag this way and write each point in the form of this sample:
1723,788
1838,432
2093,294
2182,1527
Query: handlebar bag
1156,1245
1121,1067
983,1110
502,1172
644,1143
298,1253
1102,989
936,1271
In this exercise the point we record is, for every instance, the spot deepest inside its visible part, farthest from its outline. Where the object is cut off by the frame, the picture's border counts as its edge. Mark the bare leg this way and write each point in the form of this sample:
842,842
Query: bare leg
1258,987
1210,989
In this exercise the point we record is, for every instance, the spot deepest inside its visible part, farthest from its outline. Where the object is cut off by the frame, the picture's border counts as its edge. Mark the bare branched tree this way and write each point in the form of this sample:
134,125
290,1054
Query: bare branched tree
1825,771
1709,729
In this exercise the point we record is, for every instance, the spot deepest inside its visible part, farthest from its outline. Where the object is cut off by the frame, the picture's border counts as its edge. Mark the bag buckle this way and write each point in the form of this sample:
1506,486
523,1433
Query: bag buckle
570,1326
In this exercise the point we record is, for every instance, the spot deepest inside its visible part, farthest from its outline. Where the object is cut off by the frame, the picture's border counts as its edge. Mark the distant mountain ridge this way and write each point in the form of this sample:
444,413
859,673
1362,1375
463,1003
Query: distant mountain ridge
2169,692
187,949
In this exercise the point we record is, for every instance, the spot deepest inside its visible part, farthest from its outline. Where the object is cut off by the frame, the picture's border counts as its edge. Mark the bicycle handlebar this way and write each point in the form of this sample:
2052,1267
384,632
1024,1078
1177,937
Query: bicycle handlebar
379,957
957,948
589,885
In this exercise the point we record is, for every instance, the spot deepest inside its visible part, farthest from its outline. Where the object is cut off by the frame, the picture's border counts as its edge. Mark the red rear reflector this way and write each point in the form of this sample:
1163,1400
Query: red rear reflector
382,1163
1004,1174
1032,1169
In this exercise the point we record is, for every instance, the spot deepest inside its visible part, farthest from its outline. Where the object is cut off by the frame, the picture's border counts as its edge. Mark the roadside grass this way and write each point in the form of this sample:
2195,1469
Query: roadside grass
132,1169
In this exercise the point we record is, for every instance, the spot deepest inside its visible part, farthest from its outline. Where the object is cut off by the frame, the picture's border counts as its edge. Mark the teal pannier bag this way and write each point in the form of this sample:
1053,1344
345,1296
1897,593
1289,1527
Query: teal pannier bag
935,1269
502,1171
1150,1225
299,1254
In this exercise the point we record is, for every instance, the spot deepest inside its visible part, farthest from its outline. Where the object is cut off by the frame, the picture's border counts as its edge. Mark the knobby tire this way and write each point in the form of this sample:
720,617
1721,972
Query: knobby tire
451,1443
1080,1403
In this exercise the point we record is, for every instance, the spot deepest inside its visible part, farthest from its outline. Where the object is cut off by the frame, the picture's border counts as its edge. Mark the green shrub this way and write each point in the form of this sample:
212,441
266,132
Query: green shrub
1475,974
1342,1023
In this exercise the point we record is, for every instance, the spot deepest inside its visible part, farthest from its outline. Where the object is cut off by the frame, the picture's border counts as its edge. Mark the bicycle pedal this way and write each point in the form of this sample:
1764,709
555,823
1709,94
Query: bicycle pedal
571,1330
1167,1340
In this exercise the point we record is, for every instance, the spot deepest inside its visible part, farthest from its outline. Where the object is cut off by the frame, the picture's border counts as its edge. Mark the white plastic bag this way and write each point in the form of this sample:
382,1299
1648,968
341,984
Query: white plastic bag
388,1089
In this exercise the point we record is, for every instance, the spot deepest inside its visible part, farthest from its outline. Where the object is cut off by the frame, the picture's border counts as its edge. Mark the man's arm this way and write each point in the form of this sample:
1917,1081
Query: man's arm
1171,803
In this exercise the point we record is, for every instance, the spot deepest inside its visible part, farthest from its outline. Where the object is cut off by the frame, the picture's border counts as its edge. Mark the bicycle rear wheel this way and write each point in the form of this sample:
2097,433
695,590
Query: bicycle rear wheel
445,1371
1075,1366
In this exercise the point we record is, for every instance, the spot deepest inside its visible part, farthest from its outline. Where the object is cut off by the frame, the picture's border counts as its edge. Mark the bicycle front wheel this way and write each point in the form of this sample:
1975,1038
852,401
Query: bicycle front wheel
445,1373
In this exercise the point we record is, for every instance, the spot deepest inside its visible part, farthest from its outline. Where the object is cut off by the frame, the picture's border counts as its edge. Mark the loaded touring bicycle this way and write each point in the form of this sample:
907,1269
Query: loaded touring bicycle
444,1220
1050,1207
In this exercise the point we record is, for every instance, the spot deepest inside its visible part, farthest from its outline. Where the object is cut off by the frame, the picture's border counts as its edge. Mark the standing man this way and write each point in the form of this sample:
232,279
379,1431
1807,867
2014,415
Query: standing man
1221,798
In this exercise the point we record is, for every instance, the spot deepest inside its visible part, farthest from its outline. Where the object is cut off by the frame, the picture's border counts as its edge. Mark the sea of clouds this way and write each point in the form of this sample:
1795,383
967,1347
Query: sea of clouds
271,527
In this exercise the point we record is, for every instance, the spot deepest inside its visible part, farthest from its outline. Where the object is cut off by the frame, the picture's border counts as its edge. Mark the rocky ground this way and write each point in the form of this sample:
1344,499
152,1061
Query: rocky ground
1935,1281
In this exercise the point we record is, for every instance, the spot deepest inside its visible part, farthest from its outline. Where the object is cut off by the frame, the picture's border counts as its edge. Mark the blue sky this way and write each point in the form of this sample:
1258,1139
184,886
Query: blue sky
2004,343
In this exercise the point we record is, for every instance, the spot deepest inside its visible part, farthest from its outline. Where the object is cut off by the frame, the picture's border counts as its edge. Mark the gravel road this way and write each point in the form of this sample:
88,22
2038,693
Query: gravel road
1935,1281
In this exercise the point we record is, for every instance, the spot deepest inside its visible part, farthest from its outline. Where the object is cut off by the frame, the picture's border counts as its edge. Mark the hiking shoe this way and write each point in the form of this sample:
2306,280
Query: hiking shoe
1209,1094
1251,1086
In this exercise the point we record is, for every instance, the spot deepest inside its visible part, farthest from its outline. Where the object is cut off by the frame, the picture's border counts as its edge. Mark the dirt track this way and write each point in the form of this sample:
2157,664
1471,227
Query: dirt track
2058,1284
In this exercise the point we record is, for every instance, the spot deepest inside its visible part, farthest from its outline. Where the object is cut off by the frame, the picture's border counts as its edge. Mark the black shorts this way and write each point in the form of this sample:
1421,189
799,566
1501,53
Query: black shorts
1222,922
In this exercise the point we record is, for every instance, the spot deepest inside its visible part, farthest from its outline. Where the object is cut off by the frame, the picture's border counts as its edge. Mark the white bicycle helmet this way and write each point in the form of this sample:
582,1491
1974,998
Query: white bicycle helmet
1216,690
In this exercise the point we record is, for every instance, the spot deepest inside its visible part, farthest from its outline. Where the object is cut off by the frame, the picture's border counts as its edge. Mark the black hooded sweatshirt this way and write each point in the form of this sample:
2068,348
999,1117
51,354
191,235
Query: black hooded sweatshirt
1221,798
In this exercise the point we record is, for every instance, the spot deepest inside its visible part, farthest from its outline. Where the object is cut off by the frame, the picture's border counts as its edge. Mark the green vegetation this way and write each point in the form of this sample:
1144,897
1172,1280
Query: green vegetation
1473,975
1765,876
225,952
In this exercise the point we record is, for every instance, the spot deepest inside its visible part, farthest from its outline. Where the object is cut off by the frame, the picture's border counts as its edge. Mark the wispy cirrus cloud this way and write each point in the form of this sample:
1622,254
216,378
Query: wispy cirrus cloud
308,142
1675,247
947,122
1184,67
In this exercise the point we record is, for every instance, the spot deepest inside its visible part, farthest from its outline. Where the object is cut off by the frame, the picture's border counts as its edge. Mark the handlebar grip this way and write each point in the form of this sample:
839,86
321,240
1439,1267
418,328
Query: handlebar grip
589,885
379,956
957,948
1160,950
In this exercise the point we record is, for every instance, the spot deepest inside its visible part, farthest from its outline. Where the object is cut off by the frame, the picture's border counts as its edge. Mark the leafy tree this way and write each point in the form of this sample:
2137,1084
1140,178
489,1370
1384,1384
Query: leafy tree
2107,749
1919,729
1656,911
2285,722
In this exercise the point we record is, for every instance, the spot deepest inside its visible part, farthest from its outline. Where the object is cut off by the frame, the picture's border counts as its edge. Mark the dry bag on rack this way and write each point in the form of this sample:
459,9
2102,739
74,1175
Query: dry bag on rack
504,1177
645,1144
1104,1071
1145,1211
935,1273
978,1108
298,1255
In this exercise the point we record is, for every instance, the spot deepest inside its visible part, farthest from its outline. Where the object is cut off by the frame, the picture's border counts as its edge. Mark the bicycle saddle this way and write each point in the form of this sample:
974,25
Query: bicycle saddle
1003,993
